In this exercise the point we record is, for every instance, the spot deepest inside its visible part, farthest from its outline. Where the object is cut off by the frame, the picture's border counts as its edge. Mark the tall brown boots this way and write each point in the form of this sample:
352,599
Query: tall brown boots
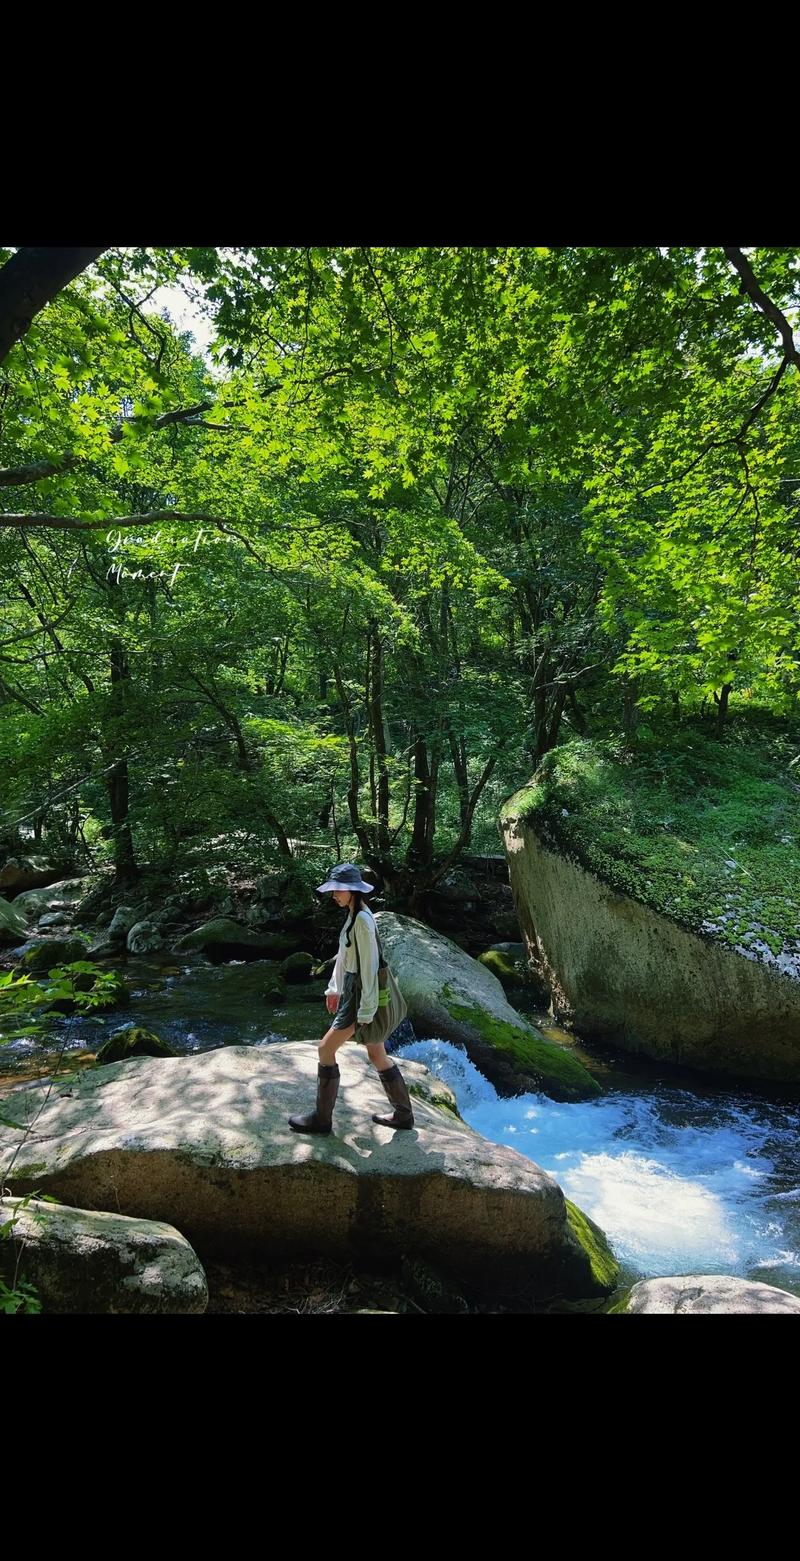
395,1087
319,1120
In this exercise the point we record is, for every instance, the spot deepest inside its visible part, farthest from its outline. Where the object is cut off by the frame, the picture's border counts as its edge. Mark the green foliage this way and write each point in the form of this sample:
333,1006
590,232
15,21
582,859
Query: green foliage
21,1296
82,983
449,501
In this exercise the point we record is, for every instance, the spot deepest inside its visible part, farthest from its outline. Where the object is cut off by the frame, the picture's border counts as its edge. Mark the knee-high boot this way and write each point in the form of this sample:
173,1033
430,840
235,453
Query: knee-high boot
319,1120
395,1087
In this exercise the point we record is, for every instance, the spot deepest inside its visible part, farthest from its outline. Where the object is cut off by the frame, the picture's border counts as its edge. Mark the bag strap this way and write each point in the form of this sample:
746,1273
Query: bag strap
381,960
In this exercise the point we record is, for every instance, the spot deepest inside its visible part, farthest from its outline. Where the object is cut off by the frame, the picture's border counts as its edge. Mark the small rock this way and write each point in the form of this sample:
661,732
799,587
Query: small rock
133,1041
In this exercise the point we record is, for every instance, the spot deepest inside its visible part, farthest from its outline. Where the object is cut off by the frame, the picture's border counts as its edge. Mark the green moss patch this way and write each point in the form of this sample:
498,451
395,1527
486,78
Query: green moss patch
604,1266
501,966
433,1098
529,1050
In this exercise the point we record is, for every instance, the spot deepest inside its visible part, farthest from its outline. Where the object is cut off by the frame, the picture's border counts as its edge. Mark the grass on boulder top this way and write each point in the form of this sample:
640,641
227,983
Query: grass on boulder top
704,831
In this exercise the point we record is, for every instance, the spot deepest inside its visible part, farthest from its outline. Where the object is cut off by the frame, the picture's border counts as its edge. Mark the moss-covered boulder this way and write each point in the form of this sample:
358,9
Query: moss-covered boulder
223,938
604,1266
55,951
436,1093
451,996
21,873
636,880
133,1041
60,896
297,967
13,926
502,965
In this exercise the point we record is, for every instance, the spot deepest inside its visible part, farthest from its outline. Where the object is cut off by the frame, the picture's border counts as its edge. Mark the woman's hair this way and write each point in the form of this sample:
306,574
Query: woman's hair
355,906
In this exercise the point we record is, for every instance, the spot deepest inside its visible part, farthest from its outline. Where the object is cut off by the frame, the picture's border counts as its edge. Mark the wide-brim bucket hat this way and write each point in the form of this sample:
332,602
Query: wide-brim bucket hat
345,876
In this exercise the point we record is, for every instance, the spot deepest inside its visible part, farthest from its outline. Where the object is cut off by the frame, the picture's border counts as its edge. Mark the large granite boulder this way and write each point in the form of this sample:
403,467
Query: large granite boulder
455,998
203,1142
630,976
20,873
707,1293
82,1260
61,896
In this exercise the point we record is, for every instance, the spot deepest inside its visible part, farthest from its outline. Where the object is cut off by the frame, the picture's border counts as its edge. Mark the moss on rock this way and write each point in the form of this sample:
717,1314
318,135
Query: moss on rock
502,966
133,1041
604,1266
530,1051
297,967
704,832
439,1096
45,956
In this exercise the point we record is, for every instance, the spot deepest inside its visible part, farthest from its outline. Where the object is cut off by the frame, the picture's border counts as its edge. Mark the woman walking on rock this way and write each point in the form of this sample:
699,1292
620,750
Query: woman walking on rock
366,1003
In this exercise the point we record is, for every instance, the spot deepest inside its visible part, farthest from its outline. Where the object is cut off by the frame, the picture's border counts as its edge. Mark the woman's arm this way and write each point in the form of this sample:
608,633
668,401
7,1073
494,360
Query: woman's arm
368,960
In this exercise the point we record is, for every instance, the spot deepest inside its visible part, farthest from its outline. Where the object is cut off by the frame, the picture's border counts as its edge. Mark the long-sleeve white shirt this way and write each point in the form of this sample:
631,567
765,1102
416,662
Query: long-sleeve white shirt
364,932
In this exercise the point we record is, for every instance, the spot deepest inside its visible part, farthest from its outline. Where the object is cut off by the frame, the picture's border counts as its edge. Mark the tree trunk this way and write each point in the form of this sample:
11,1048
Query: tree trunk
379,742
29,281
722,708
125,867
630,715
459,757
577,713
360,830
419,852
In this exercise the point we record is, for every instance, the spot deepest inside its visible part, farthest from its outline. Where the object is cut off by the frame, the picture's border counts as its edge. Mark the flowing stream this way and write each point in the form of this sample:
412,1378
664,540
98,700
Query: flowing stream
683,1175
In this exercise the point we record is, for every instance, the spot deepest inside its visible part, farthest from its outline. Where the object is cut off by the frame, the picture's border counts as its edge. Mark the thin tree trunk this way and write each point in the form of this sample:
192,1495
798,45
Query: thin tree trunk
577,713
630,715
417,852
722,708
360,830
379,741
459,758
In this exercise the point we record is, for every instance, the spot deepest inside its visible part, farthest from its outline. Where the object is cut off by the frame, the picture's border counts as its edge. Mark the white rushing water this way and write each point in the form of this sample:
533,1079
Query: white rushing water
681,1182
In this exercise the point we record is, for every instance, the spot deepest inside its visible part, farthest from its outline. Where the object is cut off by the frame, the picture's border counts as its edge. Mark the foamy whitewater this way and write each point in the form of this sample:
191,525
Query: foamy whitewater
681,1182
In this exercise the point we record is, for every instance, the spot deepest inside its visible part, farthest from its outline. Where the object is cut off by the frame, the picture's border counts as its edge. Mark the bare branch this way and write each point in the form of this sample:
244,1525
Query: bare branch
115,523
750,286
18,476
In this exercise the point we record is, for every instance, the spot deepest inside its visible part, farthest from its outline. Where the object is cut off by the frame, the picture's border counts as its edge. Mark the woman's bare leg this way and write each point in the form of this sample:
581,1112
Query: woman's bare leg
331,1041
